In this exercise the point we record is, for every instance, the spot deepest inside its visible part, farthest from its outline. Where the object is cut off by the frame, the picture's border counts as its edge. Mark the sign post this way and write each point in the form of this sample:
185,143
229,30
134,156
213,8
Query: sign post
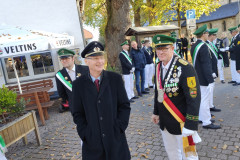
191,19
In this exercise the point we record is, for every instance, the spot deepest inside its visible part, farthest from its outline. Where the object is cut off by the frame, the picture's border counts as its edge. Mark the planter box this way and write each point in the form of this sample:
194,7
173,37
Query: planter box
19,128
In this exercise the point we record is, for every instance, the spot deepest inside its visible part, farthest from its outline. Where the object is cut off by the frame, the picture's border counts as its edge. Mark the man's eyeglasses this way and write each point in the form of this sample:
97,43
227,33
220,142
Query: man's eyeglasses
95,58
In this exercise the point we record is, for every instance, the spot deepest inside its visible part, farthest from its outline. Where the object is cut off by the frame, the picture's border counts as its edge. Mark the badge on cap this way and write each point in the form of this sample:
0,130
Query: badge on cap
158,38
97,49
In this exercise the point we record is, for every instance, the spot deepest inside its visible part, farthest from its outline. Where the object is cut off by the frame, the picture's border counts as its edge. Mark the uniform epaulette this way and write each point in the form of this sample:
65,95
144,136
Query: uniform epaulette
182,61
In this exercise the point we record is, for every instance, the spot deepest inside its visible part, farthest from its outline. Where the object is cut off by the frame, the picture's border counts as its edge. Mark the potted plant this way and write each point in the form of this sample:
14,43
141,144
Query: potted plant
15,122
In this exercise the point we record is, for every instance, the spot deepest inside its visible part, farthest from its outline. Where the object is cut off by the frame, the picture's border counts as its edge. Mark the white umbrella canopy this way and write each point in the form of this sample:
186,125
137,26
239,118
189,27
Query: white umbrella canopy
17,41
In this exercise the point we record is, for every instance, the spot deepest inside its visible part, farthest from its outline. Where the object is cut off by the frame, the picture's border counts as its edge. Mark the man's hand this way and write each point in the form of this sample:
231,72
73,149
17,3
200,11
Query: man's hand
238,71
155,119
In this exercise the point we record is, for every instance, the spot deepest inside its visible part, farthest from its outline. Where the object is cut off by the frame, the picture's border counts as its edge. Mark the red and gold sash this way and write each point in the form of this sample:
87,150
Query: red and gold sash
189,146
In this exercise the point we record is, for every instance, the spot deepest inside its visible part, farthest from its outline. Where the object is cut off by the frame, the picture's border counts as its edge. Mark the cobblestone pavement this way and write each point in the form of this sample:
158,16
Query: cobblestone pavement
60,139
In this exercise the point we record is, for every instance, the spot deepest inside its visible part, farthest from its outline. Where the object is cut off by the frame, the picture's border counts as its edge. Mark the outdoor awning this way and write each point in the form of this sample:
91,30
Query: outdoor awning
16,41
133,31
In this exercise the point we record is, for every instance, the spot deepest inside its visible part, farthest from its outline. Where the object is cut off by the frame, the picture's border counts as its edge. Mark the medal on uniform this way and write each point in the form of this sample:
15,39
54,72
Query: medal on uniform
66,78
176,80
174,75
160,95
79,74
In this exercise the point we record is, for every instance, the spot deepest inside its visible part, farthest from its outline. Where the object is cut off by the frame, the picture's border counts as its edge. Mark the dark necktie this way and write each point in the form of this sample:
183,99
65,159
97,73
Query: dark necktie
96,82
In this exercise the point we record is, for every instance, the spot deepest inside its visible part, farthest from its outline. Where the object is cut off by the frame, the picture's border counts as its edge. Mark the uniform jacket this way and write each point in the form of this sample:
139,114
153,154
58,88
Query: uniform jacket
63,91
236,50
233,49
203,65
148,55
102,117
179,46
126,65
214,60
219,44
139,59
186,97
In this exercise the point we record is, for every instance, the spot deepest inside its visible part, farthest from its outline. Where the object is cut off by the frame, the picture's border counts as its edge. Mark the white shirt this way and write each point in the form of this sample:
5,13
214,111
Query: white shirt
126,52
165,68
72,73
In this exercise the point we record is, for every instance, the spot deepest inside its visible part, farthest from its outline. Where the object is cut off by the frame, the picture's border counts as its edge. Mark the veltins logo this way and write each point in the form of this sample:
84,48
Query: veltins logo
1,51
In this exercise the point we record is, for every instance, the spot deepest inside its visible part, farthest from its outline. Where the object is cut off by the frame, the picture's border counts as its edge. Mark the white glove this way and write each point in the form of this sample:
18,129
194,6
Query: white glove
222,49
132,70
186,132
227,49
214,75
210,87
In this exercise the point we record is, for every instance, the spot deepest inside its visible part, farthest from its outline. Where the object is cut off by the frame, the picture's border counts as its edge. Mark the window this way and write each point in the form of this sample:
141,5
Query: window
224,28
20,65
42,63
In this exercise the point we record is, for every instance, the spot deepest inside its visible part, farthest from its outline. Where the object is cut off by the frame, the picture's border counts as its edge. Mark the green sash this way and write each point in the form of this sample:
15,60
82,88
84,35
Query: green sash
175,52
213,50
128,58
195,52
64,82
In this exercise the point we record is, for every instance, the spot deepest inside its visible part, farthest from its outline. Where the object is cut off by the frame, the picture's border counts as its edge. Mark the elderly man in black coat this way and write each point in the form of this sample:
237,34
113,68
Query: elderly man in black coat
101,109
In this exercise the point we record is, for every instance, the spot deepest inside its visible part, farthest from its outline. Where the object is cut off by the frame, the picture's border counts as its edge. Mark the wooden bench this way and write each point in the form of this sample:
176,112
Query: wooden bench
38,100
33,85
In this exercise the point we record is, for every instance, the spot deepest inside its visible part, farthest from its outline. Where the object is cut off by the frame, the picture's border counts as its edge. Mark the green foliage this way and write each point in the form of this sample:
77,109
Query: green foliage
113,69
7,100
9,104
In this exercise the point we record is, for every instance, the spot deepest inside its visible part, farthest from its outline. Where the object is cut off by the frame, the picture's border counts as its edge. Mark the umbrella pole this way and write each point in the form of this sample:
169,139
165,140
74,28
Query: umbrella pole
15,71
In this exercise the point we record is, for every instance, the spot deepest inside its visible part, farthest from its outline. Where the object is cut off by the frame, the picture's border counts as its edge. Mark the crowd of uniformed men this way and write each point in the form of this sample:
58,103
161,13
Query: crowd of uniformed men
99,100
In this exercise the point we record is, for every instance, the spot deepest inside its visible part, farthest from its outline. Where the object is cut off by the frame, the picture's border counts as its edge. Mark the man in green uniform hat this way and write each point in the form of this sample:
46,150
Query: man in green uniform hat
176,102
202,63
66,76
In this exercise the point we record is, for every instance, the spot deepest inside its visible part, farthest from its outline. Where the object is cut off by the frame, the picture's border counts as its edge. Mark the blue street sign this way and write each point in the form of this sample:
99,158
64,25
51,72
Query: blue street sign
191,14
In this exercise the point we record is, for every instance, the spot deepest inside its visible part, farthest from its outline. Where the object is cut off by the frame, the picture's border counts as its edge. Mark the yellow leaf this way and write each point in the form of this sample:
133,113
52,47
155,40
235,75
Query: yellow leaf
215,147
51,154
221,120
224,146
144,155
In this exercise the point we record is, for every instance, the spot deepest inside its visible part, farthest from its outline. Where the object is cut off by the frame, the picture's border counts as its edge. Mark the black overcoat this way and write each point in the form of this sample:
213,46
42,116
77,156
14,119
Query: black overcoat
235,49
214,60
63,91
185,96
102,117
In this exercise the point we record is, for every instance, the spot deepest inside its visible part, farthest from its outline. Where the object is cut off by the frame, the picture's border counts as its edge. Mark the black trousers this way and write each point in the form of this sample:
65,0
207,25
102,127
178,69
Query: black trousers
184,52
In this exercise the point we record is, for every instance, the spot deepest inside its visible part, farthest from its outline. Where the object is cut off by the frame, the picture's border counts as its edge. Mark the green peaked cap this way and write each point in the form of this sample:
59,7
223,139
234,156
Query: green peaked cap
124,43
213,31
232,28
173,34
65,52
201,30
238,25
163,40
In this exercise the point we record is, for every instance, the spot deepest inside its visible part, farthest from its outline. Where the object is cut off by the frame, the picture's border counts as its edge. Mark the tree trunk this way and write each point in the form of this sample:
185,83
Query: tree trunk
151,14
118,21
179,21
137,17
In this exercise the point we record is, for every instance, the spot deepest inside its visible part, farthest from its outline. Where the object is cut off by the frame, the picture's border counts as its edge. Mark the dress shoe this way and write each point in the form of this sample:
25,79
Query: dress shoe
140,94
212,120
232,82
131,101
135,97
236,84
214,109
222,81
151,87
147,89
145,92
212,126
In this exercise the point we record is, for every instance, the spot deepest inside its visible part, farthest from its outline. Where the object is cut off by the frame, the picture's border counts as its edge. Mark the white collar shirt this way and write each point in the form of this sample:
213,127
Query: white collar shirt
72,73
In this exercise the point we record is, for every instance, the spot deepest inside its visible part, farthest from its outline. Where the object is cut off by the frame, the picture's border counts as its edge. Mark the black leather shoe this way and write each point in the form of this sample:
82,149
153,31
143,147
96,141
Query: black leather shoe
212,126
145,92
147,89
131,101
135,97
151,87
232,82
140,94
212,120
214,109
236,84
222,81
